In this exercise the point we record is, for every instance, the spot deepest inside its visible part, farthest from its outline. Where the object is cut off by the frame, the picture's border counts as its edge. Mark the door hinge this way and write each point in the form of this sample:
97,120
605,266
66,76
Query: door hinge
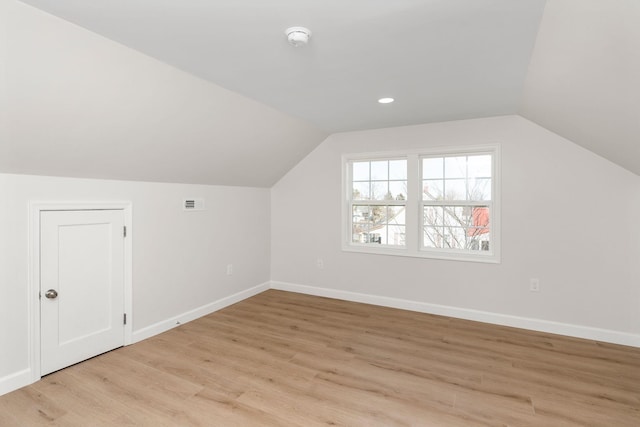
124,232
125,318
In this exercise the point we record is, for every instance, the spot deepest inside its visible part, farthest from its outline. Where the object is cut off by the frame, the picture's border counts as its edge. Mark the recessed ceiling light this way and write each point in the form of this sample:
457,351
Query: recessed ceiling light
386,100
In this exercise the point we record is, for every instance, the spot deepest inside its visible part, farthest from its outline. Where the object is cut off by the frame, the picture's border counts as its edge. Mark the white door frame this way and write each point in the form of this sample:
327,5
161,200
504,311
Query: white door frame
33,283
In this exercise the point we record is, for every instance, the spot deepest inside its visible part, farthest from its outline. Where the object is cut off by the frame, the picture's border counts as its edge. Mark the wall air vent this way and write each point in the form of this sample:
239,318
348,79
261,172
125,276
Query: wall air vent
193,204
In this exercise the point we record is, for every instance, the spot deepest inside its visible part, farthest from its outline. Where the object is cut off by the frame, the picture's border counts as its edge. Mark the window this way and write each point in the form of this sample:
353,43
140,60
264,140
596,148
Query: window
434,204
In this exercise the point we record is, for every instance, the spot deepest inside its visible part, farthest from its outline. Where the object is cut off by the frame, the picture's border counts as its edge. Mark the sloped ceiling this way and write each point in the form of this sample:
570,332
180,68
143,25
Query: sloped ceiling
73,103
238,105
440,59
584,78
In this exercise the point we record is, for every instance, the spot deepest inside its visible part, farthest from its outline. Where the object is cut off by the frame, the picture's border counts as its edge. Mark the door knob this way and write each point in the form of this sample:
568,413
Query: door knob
51,294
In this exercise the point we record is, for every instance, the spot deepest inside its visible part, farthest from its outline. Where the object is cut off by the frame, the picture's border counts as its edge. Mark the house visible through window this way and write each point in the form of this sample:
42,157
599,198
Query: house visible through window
425,204
379,192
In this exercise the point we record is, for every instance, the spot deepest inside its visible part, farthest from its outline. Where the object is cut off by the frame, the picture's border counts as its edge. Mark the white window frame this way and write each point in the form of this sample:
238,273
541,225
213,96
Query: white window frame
414,245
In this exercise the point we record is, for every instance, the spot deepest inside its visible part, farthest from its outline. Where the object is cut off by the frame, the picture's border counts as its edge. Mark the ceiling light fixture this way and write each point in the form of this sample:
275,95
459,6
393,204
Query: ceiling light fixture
386,100
298,36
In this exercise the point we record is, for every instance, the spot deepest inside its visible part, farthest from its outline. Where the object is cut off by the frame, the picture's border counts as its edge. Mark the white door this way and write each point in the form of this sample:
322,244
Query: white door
81,285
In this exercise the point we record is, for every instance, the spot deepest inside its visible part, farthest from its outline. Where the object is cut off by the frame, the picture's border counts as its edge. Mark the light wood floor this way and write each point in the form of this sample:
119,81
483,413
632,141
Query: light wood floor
284,359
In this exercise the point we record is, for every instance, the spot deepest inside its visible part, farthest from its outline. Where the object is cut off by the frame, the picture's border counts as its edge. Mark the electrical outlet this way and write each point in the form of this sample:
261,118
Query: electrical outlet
534,285
320,263
229,269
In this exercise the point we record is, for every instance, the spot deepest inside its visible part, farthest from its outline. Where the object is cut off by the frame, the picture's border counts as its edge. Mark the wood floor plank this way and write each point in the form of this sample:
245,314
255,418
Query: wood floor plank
286,359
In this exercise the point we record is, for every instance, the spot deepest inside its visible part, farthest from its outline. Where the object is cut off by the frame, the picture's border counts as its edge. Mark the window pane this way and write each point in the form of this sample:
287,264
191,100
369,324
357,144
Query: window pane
358,235
455,167
398,190
433,215
461,227
378,215
432,168
361,214
378,236
455,238
480,220
480,242
396,235
432,189
479,166
456,216
361,191
360,223
368,237
380,170
455,189
396,215
432,237
474,232
479,232
378,225
398,169
364,223
379,190
360,171
479,189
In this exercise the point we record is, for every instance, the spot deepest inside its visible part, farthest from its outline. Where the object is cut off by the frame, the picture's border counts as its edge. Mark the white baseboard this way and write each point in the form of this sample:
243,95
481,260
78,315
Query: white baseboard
15,381
23,378
586,332
165,325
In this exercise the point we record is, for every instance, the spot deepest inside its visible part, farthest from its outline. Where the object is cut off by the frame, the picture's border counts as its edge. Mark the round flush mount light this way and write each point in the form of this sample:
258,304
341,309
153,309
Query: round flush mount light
298,36
386,100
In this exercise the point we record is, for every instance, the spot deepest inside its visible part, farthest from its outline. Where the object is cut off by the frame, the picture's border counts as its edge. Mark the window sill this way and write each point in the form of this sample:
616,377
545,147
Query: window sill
447,256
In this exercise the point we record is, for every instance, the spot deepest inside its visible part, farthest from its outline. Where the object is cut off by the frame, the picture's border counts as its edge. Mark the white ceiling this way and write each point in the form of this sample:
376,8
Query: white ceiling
570,65
440,59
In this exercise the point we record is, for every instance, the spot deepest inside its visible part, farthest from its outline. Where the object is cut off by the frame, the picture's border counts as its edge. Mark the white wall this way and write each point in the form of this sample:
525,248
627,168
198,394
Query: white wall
569,218
179,258
583,80
73,103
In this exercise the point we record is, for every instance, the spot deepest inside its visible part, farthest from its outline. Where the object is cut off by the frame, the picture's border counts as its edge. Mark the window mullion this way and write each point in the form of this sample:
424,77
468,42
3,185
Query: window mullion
347,204
413,203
